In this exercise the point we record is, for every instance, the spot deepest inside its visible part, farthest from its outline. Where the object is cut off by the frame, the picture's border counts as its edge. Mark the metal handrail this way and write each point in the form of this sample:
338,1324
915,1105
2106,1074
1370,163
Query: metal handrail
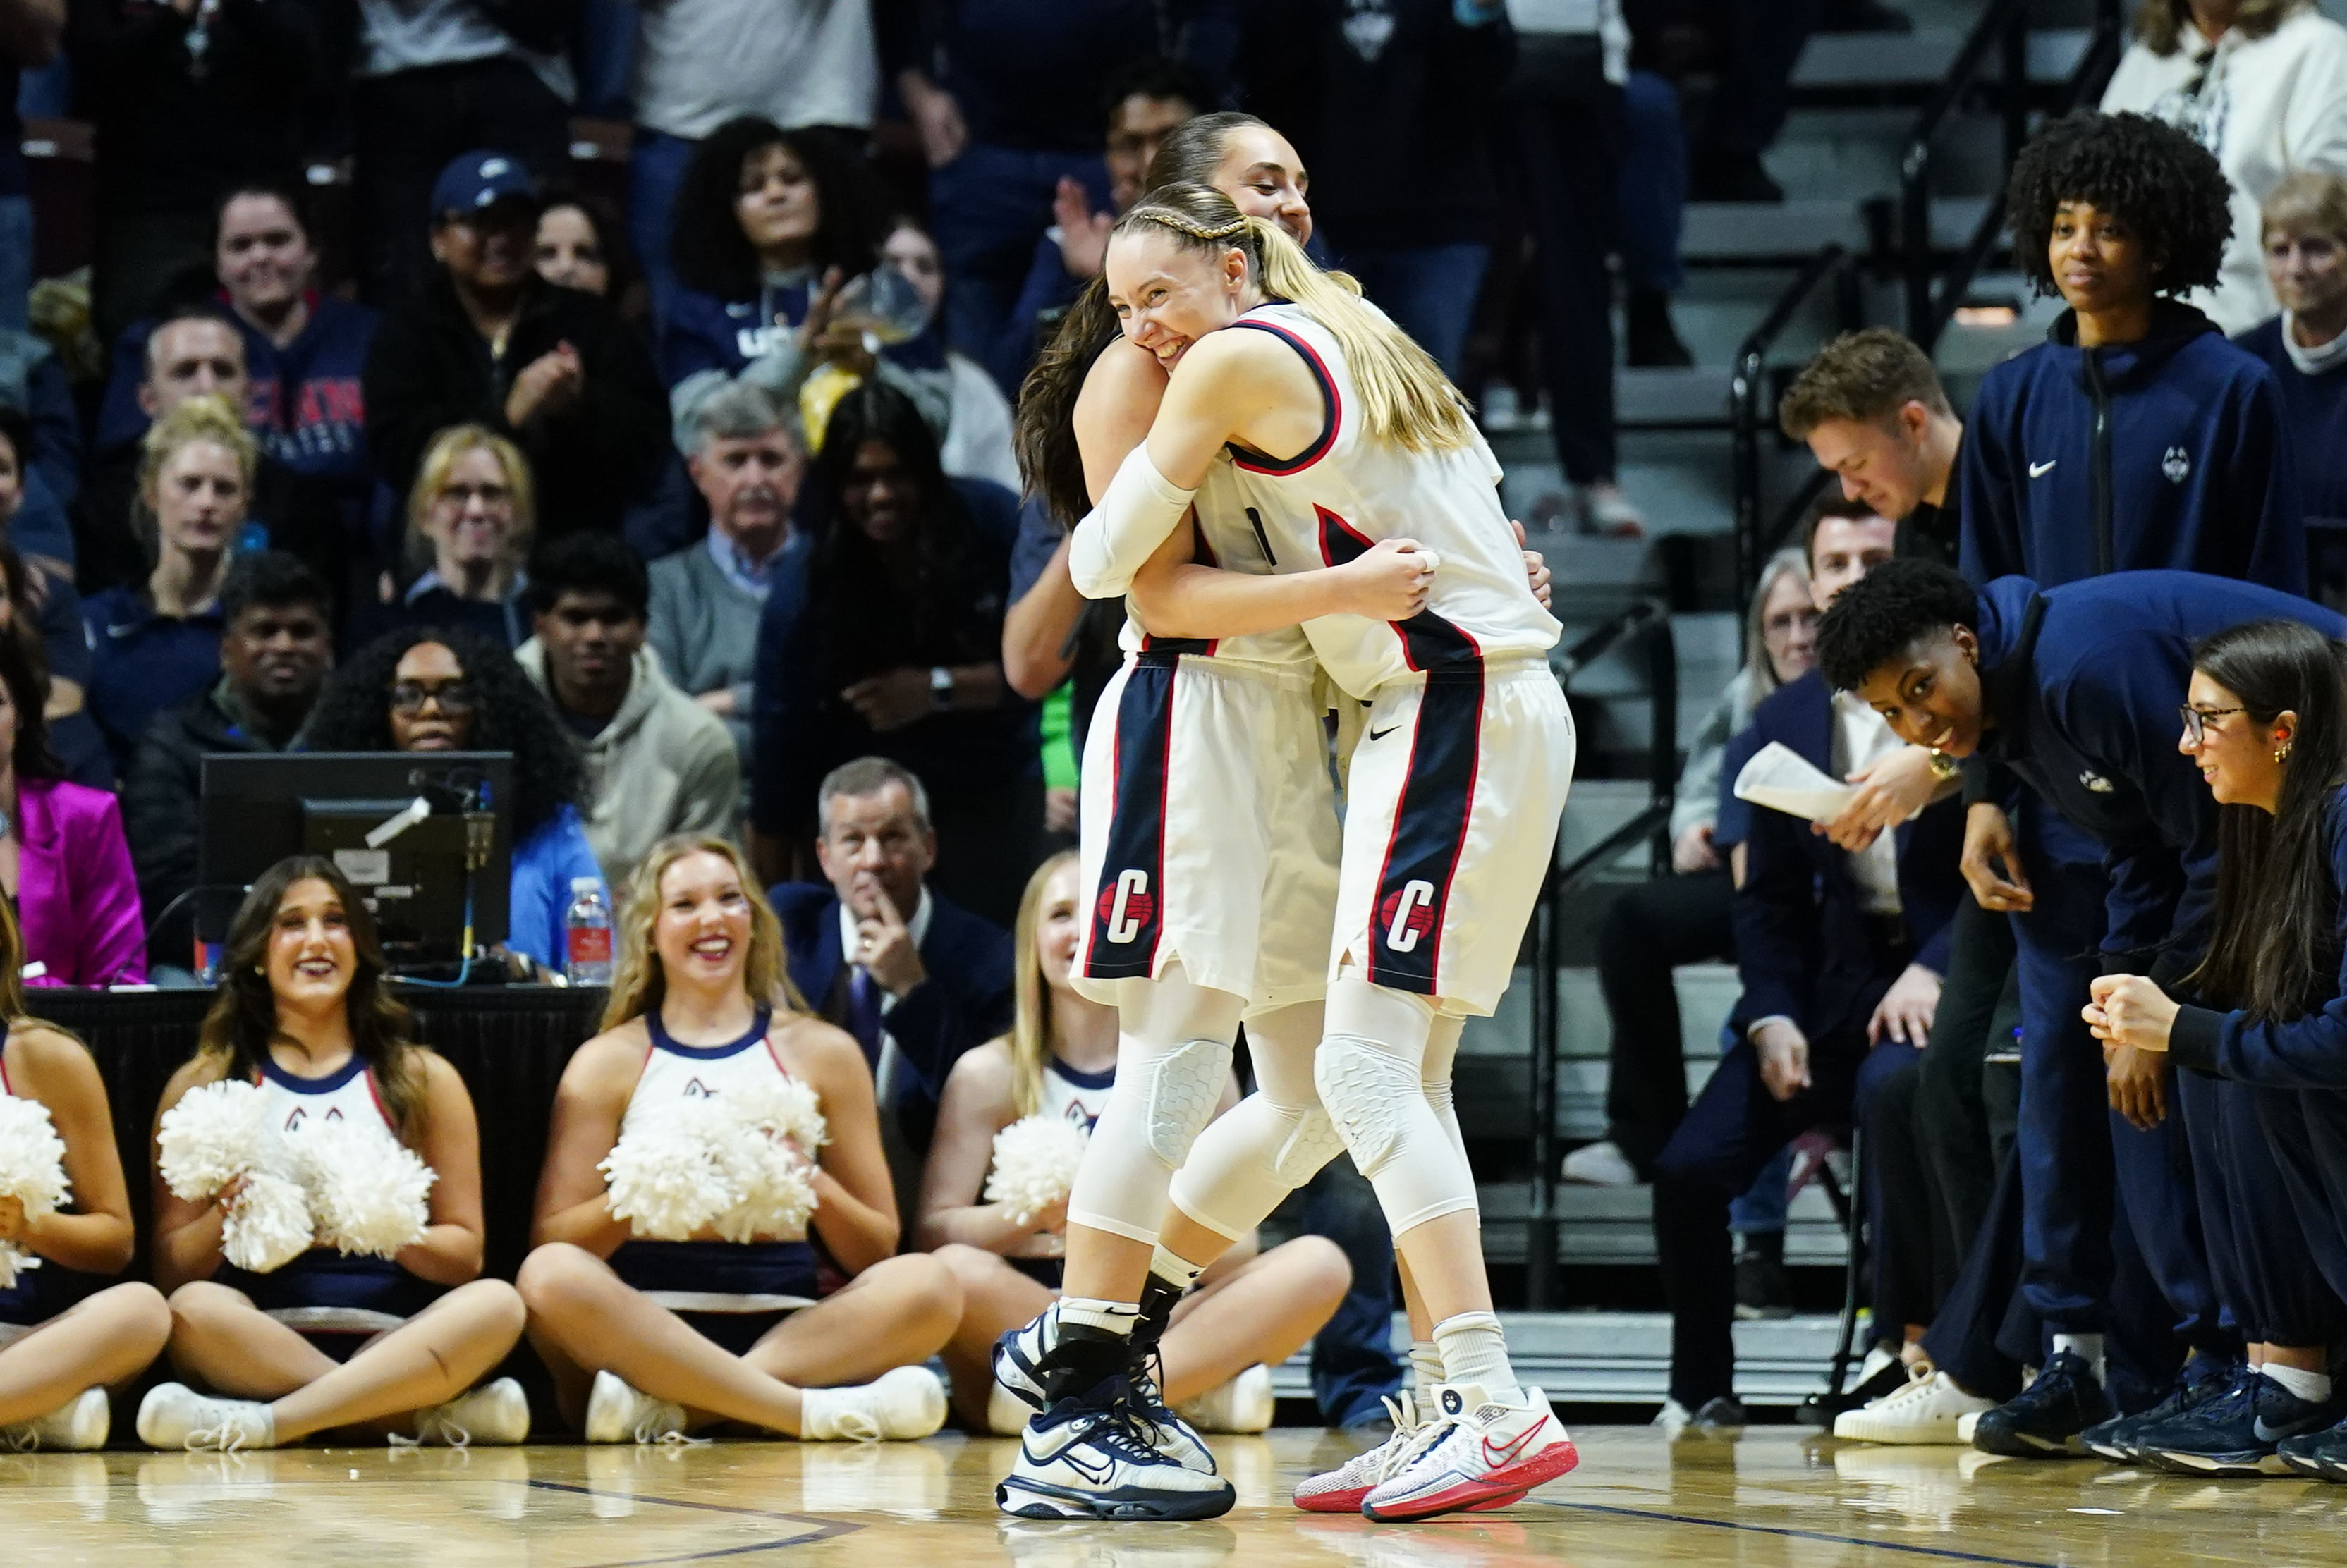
2002,30
1648,621
1749,389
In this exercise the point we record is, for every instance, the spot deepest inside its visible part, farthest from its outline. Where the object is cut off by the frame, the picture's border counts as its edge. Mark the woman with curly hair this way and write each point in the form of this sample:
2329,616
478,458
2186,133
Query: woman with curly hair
771,225
366,1346
434,689
2135,436
2261,84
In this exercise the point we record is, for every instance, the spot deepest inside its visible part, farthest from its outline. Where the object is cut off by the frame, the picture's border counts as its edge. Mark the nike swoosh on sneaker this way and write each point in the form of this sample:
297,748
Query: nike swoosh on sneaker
1500,1458
2266,1434
2037,468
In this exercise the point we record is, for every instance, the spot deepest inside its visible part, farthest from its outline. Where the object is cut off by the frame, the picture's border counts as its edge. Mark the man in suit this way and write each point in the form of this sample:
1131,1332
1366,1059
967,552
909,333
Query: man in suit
914,976
1841,953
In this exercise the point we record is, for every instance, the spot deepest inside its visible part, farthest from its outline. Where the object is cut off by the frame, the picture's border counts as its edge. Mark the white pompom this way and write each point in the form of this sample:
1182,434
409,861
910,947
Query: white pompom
32,1172
367,1190
268,1225
1035,1160
780,1123
215,1134
674,1171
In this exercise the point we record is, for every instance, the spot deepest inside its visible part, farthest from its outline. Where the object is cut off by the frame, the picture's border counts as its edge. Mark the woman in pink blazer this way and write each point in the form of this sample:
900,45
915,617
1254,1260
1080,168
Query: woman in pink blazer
63,860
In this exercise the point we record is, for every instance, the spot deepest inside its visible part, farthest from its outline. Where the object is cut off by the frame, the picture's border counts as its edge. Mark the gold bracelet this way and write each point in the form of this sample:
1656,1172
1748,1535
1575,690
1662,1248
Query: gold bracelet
1945,768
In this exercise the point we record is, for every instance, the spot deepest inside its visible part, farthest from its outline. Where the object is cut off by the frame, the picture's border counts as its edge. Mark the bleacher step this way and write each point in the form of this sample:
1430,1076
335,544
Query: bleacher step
1625,1357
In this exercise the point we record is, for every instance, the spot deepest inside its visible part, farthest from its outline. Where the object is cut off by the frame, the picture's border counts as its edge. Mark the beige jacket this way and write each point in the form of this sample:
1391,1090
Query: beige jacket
663,764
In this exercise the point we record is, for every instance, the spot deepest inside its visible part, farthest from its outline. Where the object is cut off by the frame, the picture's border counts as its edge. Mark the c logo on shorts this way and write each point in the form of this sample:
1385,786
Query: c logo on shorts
1125,907
1407,914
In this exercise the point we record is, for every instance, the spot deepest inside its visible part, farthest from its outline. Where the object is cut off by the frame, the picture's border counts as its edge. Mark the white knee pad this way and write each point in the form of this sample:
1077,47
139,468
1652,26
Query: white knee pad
1185,1084
1368,1090
1310,1144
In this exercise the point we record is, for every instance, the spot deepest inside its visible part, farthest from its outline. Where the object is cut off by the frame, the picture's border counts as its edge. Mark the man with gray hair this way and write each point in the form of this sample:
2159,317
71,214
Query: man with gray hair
916,978
747,460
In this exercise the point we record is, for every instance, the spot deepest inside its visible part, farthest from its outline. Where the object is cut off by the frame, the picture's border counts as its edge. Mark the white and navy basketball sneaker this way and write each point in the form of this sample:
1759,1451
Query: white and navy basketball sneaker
1475,1449
1096,1458
1023,1362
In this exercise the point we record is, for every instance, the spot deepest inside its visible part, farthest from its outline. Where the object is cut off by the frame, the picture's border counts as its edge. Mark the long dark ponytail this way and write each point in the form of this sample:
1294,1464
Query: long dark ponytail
2274,951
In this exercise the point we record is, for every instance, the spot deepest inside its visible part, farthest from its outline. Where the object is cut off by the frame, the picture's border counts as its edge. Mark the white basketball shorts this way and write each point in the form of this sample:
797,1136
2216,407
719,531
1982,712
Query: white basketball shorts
1209,830
1452,807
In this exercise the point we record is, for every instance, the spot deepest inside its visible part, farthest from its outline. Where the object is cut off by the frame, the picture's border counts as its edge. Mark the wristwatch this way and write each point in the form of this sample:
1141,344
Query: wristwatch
1945,768
940,689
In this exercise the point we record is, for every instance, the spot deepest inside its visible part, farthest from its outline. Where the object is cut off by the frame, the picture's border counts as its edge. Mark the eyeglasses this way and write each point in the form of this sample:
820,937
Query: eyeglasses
453,697
2196,719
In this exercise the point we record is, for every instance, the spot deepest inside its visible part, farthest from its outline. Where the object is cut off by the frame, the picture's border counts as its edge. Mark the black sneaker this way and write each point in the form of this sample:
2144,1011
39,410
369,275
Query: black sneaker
1648,337
2047,1418
1762,1288
2237,1434
2322,1454
2199,1382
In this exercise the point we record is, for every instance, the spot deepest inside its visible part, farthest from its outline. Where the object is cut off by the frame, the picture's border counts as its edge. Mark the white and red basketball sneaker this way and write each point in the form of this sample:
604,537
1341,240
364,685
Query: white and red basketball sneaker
1474,1453
1342,1490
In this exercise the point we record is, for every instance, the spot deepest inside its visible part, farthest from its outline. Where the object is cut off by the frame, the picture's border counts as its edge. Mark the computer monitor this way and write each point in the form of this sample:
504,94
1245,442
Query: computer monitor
410,862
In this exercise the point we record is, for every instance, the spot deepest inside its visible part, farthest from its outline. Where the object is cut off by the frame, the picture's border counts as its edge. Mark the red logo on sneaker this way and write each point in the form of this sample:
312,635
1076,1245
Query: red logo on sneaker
1500,1459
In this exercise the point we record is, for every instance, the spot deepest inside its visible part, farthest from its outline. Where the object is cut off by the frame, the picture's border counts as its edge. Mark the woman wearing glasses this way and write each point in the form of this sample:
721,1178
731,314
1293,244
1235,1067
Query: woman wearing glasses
432,689
2265,721
470,519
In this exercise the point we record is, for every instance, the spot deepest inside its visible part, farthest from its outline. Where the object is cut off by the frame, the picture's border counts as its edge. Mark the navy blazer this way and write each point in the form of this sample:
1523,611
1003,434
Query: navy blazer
965,1001
1802,942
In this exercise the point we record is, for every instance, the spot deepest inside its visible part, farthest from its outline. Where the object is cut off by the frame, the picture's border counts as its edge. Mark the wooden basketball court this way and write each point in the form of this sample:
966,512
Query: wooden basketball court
1777,1496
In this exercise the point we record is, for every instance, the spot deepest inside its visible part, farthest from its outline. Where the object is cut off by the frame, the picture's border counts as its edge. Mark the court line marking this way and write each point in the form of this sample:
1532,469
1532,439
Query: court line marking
823,1529
1945,1554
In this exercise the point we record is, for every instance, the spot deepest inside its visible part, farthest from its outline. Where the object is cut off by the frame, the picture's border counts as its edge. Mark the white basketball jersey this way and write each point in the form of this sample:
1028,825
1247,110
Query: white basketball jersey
1225,535
1346,492
1076,1098
348,1095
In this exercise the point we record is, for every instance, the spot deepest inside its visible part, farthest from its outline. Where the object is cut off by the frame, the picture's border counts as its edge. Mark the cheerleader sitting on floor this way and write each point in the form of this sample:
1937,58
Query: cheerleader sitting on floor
360,1345
651,1338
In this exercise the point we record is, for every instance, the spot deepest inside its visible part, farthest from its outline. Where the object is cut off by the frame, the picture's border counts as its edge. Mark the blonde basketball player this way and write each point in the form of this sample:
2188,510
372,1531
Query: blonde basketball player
1344,441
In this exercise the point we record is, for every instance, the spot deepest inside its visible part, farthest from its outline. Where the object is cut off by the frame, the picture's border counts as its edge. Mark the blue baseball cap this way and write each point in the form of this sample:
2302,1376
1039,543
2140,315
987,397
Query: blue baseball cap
478,180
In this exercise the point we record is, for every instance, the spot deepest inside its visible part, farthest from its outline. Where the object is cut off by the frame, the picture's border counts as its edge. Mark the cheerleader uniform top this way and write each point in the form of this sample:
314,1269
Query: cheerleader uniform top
712,1275
1076,1098
323,1290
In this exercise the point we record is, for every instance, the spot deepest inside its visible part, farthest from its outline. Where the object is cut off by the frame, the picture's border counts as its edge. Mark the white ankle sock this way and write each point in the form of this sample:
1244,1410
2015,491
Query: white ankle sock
2087,1347
2313,1386
1175,1269
1474,1351
1425,1367
1115,1316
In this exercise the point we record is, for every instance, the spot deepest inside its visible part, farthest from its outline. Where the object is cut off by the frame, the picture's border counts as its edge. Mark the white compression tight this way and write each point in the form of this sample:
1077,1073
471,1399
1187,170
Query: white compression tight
1277,1137
1172,1058
1373,1075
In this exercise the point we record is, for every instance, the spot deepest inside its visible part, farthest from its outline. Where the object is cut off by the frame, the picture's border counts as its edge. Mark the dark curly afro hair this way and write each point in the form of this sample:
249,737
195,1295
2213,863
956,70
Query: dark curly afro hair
1884,613
2159,179
354,714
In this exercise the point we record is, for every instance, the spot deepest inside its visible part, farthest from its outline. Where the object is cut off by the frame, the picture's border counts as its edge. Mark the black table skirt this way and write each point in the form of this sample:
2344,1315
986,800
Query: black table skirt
510,1044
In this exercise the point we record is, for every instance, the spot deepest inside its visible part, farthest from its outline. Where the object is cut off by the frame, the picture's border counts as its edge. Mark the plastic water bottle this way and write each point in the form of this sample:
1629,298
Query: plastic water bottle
587,935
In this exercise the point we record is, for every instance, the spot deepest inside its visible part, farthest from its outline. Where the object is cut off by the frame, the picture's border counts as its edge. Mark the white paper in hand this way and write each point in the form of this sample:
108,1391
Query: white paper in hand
1782,779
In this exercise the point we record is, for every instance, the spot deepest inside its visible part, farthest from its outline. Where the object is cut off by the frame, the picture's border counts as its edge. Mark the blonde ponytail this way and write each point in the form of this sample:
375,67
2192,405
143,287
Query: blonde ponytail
1403,396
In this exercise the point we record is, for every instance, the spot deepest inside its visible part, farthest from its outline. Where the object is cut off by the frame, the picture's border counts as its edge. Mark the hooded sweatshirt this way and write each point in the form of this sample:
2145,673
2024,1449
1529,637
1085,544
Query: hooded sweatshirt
663,764
2166,452
2082,683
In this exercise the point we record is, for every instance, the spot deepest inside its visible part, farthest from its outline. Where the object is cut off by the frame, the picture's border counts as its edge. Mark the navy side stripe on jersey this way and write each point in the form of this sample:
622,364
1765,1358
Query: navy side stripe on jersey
1333,406
1428,642
1430,833
1127,904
